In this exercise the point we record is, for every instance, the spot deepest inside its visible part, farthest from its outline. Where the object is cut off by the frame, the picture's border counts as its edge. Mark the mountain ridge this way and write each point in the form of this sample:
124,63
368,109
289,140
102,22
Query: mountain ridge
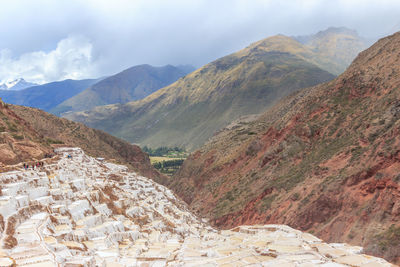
338,44
130,84
16,84
190,110
46,96
323,159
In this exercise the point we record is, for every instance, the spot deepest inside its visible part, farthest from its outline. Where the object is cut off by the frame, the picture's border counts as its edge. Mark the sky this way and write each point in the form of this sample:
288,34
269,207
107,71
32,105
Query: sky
50,40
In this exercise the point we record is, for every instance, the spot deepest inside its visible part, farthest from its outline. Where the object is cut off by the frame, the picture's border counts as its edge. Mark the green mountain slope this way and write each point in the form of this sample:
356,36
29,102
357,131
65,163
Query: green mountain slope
190,110
131,84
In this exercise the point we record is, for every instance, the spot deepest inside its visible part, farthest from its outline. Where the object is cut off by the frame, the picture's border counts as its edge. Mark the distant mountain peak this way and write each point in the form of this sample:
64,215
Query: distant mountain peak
186,68
338,30
304,39
130,84
15,84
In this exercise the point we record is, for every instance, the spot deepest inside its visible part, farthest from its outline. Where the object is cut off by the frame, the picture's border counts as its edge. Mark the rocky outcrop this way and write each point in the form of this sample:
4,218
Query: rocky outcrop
79,211
324,160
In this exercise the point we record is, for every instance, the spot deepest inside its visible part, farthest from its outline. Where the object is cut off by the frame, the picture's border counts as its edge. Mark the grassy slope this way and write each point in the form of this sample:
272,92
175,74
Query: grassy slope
189,111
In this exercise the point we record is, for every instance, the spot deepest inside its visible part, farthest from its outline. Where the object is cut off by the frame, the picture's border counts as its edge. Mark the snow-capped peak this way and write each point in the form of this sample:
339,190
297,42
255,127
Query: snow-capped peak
12,83
15,84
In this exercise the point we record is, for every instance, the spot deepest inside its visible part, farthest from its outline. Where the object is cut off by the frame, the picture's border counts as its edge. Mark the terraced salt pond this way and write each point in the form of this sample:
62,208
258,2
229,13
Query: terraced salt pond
80,211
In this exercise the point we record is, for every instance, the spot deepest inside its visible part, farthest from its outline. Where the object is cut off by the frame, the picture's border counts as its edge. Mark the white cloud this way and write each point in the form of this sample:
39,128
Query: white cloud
124,33
71,59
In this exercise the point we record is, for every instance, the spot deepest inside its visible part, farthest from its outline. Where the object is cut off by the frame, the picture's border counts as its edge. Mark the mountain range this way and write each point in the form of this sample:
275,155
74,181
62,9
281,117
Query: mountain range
324,159
46,96
72,95
131,84
189,111
335,47
276,138
16,84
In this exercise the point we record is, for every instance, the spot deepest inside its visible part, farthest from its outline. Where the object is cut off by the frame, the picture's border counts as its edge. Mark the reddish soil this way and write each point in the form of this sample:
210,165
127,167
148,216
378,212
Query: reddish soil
324,160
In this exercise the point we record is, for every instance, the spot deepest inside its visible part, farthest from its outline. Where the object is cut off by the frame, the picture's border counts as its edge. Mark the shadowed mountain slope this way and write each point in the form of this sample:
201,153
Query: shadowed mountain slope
190,110
325,159
46,96
131,84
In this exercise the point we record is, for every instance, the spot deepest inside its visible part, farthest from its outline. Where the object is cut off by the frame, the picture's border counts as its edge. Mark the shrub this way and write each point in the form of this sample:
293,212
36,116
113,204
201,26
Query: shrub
17,137
53,141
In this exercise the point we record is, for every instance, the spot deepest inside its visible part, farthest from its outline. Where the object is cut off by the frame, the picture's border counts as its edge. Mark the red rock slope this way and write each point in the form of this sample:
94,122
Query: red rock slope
325,160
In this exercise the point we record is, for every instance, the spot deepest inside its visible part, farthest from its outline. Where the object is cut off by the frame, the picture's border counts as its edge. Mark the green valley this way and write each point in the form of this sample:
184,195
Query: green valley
192,109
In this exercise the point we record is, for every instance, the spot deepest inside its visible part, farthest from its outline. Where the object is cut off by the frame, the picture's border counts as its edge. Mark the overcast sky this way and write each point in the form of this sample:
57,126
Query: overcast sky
49,40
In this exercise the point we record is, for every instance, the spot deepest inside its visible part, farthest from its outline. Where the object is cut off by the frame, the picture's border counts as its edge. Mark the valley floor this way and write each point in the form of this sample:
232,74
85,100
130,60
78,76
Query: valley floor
81,210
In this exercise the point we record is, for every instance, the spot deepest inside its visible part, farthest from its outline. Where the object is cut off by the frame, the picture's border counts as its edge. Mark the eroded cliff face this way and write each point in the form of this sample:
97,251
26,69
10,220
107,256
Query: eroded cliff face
324,160
79,211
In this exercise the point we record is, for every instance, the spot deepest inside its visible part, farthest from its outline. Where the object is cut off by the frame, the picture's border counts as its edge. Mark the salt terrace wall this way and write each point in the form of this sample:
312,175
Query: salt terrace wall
80,210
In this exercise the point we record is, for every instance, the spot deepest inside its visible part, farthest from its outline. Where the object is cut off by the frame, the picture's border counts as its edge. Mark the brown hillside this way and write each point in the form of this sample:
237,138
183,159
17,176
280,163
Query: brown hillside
18,140
30,133
325,160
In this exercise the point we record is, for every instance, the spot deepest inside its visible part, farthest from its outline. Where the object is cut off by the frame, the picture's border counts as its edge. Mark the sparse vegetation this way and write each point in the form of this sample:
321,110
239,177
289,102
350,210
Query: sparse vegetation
307,199
356,152
266,203
17,136
54,141
229,202
11,126
295,196
386,244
